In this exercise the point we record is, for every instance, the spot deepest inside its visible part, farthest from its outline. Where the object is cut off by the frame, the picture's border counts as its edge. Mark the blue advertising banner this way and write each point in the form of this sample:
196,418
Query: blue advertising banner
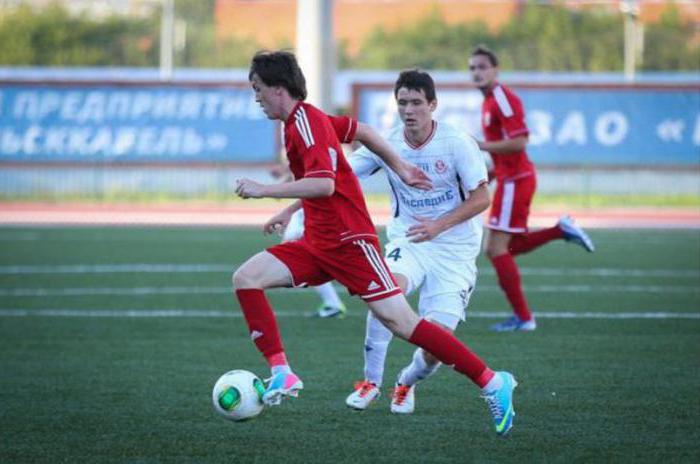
133,123
596,125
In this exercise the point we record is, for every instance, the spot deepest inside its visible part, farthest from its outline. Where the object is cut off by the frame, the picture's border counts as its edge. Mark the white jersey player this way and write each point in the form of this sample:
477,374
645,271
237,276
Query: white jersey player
434,236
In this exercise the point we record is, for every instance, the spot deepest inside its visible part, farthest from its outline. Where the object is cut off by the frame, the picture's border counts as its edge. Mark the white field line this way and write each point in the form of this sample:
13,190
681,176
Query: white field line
229,268
145,291
116,268
232,314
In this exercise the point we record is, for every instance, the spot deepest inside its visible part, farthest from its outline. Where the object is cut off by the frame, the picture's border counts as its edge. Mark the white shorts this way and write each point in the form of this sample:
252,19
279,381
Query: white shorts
446,282
295,228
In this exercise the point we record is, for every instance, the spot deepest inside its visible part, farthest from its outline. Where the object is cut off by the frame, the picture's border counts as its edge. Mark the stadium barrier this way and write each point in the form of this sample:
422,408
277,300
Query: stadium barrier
103,137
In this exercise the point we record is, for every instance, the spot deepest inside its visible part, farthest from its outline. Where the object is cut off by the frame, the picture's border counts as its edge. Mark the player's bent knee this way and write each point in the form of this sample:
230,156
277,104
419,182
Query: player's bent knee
242,279
494,251
399,326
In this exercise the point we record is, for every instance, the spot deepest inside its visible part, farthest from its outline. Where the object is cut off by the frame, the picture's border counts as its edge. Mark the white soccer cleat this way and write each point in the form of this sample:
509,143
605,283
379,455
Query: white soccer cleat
574,234
365,392
403,399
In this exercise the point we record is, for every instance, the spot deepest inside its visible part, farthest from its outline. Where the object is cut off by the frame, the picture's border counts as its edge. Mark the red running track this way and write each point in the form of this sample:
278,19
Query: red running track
216,215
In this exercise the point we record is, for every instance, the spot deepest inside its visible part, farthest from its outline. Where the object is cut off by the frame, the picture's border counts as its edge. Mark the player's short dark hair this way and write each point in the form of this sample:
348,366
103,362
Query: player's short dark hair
281,69
415,79
484,50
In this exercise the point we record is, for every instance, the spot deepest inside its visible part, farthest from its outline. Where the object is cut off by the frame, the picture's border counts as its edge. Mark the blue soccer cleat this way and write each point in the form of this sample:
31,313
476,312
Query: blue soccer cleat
574,234
280,385
515,324
500,403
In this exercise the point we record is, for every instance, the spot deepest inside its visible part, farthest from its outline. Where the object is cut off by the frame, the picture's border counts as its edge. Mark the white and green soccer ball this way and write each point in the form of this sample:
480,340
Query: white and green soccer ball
237,395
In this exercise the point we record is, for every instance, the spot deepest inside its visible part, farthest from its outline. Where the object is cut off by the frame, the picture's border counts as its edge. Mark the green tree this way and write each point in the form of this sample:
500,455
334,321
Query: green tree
541,37
52,37
429,43
554,38
667,43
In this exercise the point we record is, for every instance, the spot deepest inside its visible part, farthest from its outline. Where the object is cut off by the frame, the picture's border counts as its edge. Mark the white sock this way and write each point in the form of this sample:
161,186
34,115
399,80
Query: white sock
417,370
495,383
377,340
328,295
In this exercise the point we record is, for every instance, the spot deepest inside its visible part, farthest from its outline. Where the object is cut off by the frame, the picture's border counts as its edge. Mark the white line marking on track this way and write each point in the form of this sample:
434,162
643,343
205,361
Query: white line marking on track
234,314
142,291
228,268
116,268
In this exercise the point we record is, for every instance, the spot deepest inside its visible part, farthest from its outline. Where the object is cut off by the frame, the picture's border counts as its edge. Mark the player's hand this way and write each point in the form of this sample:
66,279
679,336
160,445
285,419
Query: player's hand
414,176
277,223
425,230
246,188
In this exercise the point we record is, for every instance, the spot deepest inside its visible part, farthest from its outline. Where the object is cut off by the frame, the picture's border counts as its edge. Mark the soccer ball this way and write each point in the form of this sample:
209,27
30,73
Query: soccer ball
237,395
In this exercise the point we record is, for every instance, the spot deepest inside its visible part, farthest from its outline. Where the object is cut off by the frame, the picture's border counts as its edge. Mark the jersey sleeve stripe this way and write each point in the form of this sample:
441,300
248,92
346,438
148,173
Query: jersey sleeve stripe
309,174
502,102
347,139
303,134
518,132
304,121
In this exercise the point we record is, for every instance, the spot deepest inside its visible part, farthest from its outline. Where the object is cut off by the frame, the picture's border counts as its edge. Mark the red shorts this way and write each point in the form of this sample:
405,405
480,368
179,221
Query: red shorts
358,265
511,204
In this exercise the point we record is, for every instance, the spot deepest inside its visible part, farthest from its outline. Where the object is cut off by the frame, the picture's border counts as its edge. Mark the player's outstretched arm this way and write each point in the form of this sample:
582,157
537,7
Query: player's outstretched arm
504,147
428,229
308,187
409,173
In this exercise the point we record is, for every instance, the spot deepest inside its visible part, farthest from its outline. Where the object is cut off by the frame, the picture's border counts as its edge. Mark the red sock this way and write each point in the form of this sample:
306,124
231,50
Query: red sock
509,279
262,325
445,346
523,243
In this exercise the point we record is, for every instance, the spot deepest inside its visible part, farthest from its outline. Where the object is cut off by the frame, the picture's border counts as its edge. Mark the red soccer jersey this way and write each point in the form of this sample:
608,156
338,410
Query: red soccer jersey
312,139
503,117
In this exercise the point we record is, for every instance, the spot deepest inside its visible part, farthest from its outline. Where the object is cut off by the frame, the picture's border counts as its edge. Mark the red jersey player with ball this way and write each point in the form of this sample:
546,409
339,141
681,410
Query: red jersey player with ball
339,242
506,134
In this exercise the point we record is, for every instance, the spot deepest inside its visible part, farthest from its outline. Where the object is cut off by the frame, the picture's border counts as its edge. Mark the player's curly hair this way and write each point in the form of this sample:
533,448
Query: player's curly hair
482,49
416,79
279,68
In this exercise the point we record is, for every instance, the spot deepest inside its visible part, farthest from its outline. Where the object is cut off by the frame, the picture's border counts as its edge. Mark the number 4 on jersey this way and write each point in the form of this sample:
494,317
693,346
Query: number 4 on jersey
395,254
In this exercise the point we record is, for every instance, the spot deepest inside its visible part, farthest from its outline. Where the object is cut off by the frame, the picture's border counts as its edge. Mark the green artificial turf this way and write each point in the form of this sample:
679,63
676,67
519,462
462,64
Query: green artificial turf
83,384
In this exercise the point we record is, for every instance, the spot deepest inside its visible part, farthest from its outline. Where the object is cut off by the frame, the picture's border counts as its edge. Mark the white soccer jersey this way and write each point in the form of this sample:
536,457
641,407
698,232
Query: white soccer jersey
455,165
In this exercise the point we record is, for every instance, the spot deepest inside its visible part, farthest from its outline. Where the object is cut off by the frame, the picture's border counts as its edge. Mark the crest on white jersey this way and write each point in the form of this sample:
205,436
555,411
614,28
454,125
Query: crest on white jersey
440,166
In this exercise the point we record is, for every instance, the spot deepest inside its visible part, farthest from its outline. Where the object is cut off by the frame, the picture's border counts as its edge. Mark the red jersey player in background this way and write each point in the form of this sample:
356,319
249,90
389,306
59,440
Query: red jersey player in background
339,240
506,134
